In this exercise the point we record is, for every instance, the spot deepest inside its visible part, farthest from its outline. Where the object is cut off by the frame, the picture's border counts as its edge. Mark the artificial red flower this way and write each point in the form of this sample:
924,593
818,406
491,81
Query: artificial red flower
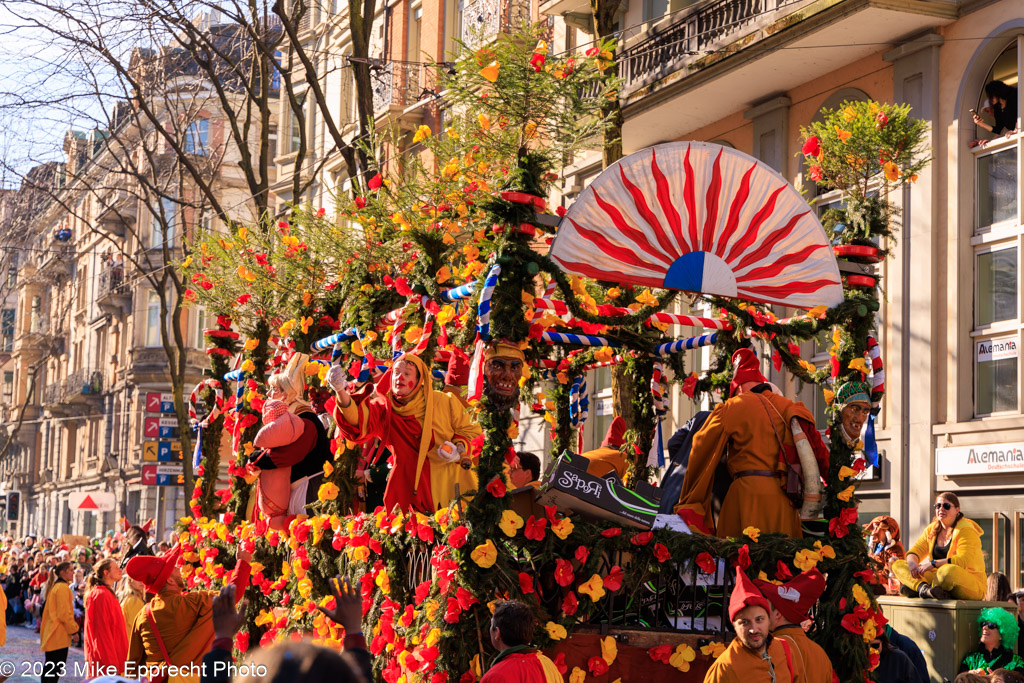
535,528
537,61
661,553
642,538
597,666
375,182
815,172
560,663
782,571
661,653
690,385
706,563
613,581
743,557
611,533
852,624
564,575
582,554
497,488
525,582
457,536
570,604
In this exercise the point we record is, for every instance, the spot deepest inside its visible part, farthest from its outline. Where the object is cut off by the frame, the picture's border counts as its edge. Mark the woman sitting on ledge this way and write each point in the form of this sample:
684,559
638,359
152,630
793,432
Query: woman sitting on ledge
995,644
953,565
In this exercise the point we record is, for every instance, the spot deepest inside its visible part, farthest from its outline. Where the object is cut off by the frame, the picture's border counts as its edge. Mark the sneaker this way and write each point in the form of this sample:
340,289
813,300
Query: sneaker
934,592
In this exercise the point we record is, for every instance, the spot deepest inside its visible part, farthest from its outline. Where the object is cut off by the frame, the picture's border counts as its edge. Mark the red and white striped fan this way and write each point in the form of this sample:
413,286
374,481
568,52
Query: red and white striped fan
702,218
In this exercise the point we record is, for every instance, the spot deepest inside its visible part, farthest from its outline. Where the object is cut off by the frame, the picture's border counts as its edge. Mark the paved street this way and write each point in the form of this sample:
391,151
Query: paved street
22,650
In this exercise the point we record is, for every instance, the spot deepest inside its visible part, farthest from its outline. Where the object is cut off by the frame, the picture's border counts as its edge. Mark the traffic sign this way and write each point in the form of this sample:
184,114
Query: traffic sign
150,450
91,501
162,475
160,427
168,451
157,402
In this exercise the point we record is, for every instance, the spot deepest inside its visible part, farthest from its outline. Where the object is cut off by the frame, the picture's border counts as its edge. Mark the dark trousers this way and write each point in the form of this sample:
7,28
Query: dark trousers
53,665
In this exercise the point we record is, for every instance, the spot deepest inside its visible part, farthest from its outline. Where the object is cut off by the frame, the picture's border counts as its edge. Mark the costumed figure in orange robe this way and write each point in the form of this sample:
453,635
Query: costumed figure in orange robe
884,548
106,636
429,433
754,654
789,605
608,458
175,628
750,430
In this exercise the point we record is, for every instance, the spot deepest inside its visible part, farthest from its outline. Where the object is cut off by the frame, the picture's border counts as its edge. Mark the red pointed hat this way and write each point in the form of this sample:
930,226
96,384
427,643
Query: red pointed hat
745,594
154,570
795,597
745,368
616,435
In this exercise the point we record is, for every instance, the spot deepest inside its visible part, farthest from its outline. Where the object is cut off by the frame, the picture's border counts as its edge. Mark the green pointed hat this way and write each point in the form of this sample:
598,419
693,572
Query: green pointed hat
853,392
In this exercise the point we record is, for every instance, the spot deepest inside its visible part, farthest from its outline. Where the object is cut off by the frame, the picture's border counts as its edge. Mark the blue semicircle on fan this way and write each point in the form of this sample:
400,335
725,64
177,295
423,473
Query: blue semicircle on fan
697,270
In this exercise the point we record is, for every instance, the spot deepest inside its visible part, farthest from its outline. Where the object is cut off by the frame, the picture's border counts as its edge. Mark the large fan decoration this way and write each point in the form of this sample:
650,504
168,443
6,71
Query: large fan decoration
700,217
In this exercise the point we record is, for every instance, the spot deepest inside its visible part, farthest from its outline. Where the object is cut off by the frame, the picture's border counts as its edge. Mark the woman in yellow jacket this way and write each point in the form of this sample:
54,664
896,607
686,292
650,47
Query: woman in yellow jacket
58,622
946,561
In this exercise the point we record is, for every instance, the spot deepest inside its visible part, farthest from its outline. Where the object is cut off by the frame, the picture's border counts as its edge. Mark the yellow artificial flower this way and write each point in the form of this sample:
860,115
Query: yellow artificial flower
327,491
562,528
578,675
845,494
646,298
806,559
593,588
555,631
243,233
860,365
485,555
752,532
248,365
383,582
422,133
849,114
843,134
829,395
250,344
490,72
307,298
484,121
613,293
892,171
609,650
860,595
682,657
714,649
846,472
510,523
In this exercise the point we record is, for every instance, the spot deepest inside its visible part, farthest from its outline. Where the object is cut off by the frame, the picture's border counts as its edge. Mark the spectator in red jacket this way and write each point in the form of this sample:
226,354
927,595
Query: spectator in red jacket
106,636
511,632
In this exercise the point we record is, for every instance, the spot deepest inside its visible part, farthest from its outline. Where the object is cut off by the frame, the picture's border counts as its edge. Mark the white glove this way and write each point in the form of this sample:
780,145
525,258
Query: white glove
449,452
336,378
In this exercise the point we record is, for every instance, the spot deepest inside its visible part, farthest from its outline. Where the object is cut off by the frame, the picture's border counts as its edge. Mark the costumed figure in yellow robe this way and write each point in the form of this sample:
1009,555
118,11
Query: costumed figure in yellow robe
429,433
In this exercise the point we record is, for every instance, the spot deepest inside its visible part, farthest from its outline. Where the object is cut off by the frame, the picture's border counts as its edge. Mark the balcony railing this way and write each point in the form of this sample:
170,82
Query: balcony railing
483,20
402,85
690,35
83,382
53,394
112,294
56,260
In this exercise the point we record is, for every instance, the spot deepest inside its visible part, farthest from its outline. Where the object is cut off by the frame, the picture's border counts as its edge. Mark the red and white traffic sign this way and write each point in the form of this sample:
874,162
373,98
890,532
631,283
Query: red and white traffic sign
92,501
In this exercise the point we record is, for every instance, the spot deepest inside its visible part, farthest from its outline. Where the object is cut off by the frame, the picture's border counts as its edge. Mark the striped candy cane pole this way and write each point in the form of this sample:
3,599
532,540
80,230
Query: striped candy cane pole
691,321
483,323
462,292
877,371
543,363
577,339
686,344
428,329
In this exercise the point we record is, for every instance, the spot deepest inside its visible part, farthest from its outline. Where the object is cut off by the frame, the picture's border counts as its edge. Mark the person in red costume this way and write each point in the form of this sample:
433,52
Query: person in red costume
608,458
790,603
517,661
176,627
428,432
106,636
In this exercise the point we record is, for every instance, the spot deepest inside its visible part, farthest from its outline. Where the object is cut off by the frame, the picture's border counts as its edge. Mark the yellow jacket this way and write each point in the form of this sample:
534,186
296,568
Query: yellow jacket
3,622
58,622
130,608
964,547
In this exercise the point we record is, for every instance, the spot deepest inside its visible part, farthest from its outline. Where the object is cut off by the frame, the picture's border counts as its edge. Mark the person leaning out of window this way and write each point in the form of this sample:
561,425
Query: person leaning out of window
946,561
1001,105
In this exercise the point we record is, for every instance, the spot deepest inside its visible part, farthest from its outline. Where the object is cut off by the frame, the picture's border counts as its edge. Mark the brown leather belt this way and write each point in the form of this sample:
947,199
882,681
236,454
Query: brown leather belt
755,473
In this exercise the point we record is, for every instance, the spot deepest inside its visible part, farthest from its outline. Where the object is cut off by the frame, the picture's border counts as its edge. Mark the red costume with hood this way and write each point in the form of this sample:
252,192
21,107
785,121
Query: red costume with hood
106,635
793,599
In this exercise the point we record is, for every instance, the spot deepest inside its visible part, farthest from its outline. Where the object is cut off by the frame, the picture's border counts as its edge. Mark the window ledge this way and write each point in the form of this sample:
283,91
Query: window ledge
981,425
1008,327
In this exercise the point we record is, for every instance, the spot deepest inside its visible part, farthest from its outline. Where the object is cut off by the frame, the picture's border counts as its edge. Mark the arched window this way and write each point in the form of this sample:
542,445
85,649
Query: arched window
997,235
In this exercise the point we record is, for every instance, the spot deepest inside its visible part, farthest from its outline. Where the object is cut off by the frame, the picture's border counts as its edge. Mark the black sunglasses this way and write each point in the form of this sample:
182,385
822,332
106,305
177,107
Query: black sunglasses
943,506
990,626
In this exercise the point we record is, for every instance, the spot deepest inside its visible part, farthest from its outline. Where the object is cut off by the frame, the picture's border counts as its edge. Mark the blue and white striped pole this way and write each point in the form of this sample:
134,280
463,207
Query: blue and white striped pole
686,344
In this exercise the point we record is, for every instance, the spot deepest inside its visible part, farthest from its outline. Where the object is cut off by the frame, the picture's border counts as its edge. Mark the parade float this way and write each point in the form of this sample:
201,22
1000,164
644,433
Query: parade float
453,247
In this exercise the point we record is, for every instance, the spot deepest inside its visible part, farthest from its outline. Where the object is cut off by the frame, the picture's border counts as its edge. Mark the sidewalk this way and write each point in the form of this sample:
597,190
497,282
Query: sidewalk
22,650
